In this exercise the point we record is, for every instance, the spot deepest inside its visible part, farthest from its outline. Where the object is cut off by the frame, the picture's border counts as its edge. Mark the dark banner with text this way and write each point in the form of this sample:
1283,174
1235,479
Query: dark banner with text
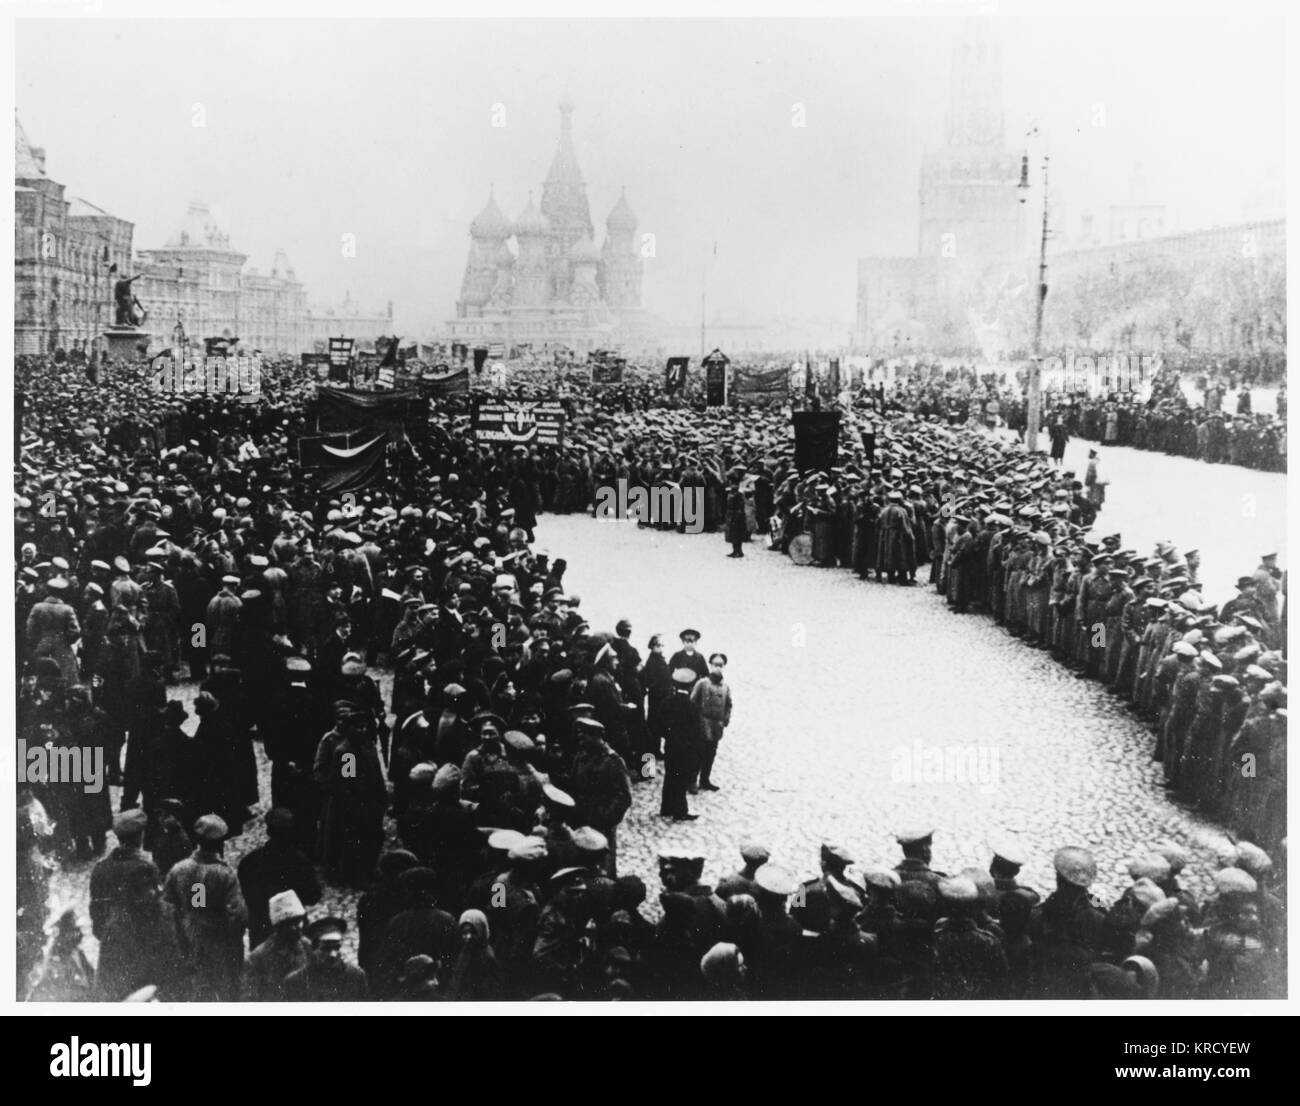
522,422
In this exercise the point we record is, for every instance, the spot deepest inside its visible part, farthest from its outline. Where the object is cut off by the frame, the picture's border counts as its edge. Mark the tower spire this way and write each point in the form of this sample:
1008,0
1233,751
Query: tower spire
564,166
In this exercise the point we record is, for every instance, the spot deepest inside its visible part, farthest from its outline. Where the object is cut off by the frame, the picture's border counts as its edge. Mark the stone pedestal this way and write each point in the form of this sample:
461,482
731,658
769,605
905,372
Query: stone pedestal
124,343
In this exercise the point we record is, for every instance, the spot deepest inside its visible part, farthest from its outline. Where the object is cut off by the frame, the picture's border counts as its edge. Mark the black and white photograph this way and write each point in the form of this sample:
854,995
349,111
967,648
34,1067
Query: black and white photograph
396,394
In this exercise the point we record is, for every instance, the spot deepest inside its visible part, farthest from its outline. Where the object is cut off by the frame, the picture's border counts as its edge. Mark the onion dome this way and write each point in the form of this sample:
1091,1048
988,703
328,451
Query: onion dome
622,217
491,221
584,252
531,222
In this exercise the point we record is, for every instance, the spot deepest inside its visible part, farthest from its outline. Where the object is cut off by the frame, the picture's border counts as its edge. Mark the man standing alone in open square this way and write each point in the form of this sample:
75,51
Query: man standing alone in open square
712,698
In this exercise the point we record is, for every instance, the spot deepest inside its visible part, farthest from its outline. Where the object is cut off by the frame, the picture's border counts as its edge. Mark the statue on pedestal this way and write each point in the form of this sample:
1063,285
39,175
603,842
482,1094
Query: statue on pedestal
126,305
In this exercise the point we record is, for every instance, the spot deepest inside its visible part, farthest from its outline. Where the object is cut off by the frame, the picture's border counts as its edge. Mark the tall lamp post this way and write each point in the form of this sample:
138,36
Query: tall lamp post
1034,404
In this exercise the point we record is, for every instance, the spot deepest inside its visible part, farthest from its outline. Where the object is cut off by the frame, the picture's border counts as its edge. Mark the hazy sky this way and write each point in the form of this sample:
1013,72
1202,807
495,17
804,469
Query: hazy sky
383,130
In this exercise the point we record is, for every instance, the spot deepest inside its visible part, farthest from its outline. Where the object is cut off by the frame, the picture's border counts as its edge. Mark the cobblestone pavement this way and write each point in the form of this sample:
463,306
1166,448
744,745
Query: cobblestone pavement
847,692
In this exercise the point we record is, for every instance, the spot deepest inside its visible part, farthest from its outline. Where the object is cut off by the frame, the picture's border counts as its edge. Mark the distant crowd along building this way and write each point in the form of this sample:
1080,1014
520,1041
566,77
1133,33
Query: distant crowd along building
65,251
1119,283
556,287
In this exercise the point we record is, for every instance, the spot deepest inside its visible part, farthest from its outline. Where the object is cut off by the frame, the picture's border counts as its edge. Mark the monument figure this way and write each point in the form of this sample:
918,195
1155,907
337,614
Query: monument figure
126,303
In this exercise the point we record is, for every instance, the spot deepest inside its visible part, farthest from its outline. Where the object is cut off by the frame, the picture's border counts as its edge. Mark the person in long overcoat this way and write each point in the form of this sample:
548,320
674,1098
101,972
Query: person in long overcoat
681,747
52,629
211,915
737,524
353,797
896,548
658,681
217,763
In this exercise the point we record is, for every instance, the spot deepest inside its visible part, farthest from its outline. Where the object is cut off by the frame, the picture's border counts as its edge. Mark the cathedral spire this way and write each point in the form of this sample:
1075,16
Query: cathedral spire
564,166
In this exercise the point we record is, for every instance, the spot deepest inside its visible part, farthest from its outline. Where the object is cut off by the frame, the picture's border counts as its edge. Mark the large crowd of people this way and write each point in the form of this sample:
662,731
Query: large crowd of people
1173,425
474,795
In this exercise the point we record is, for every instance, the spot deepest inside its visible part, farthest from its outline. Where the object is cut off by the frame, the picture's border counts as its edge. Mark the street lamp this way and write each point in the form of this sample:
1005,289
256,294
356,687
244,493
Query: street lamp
1034,404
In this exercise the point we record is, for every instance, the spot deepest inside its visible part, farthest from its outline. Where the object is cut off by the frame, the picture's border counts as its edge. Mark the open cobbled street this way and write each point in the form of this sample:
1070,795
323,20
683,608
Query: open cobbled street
1231,514
874,678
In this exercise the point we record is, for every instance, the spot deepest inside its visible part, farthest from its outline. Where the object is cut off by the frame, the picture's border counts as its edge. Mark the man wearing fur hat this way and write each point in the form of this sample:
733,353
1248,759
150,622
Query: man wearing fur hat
281,953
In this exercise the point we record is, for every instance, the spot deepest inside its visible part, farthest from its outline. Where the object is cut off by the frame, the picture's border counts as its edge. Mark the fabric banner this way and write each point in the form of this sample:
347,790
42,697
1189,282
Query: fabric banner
442,381
317,451
356,468
344,462
336,410
480,358
675,374
762,382
519,422
834,376
606,368
715,379
816,440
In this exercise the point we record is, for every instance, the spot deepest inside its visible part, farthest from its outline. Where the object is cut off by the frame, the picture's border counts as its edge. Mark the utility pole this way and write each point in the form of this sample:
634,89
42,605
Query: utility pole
1034,399
703,349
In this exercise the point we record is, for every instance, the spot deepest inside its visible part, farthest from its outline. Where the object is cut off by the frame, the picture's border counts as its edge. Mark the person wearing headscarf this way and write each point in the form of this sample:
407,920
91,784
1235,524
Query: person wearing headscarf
474,975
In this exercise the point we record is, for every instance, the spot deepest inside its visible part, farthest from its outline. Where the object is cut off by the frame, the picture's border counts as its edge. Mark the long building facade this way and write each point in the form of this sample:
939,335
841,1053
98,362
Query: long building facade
556,287
200,281
65,249
68,254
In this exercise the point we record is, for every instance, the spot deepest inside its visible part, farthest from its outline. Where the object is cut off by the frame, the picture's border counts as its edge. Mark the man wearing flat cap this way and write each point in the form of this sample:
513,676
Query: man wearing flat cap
599,783
812,905
278,866
606,696
753,856
916,843
211,914
111,876
350,781
424,927
52,629
327,976
1009,856
222,617
681,722
1095,591
969,962
1068,929
688,656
